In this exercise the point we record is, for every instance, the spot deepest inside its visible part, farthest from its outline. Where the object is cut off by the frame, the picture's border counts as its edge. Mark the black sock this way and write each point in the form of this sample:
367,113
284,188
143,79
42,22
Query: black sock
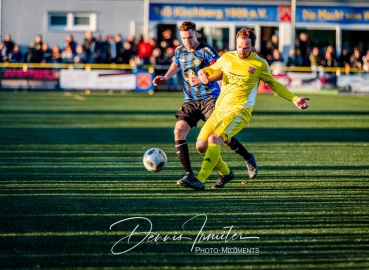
236,146
183,154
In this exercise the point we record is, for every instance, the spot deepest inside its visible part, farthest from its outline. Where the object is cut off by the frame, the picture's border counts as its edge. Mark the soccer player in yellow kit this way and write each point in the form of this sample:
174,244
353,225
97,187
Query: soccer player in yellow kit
242,70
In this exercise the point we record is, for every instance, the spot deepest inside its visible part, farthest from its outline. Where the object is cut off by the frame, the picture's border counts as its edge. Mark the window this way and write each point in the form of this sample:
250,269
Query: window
72,21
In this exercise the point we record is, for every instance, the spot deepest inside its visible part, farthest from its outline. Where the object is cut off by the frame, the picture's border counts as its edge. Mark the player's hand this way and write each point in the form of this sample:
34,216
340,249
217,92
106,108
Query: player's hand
203,76
193,80
301,103
158,79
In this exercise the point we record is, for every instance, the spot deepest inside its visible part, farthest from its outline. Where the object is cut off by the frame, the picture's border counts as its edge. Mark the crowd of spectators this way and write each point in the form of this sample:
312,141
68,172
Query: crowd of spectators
147,51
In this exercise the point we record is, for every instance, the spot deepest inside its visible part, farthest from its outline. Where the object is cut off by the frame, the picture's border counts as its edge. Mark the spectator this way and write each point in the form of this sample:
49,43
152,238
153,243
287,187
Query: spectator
99,52
33,54
37,41
111,54
156,57
81,55
271,46
294,59
88,44
46,53
3,52
344,58
356,60
67,55
144,50
132,40
329,60
314,57
276,57
56,55
118,44
9,43
366,61
126,53
16,55
172,83
69,41
304,48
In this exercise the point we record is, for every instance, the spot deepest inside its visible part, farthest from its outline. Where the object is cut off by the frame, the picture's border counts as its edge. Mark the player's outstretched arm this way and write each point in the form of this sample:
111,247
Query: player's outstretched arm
301,103
173,69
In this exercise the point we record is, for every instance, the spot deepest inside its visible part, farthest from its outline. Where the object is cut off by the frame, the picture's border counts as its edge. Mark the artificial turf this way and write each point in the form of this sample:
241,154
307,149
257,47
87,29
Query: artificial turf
73,185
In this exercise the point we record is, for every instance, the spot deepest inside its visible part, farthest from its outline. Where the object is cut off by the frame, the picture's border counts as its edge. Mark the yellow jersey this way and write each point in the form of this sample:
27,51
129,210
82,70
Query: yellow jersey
241,79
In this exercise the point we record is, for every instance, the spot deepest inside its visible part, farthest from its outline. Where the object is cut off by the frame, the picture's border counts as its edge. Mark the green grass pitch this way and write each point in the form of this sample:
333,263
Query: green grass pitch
71,167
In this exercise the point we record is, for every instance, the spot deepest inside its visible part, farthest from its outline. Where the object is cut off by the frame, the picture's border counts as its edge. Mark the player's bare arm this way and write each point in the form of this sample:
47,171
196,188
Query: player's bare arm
173,69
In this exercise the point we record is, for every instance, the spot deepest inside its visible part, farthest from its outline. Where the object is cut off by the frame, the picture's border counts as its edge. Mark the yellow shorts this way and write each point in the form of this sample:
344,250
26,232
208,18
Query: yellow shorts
226,124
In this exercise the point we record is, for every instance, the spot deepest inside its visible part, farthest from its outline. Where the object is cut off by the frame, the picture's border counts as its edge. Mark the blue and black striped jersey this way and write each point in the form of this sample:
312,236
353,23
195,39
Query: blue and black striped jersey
191,63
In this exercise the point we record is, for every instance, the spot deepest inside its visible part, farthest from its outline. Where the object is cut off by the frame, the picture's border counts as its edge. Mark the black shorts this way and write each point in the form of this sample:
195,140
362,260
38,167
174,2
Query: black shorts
194,111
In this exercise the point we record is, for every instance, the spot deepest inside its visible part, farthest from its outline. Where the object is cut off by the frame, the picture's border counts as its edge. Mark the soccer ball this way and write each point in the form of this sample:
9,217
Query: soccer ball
154,159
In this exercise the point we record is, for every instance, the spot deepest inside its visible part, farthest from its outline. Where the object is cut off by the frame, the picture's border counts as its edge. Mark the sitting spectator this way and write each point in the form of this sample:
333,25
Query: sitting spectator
33,54
314,57
344,58
46,53
156,57
67,55
276,57
125,54
294,59
81,55
356,60
329,60
16,55
366,61
56,55
144,50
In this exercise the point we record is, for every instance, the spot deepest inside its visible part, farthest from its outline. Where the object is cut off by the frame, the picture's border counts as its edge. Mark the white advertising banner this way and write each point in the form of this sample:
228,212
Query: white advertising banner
96,80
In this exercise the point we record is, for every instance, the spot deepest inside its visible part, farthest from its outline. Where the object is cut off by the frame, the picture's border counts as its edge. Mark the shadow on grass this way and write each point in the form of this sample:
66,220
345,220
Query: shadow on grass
164,135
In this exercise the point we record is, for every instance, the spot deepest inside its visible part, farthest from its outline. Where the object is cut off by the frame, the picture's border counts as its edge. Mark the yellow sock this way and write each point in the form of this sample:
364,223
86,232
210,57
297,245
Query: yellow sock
211,158
221,166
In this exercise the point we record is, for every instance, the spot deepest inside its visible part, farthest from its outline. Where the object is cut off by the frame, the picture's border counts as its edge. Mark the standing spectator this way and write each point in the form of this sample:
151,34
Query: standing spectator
271,46
67,55
126,53
118,45
329,60
356,60
9,43
144,50
16,55
304,48
99,53
111,54
46,53
56,55
88,44
315,61
33,54
3,52
81,55
366,61
69,41
37,41
294,59
132,40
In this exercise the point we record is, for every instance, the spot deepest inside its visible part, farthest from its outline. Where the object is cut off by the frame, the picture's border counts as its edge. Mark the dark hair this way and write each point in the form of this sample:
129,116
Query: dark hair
247,33
187,25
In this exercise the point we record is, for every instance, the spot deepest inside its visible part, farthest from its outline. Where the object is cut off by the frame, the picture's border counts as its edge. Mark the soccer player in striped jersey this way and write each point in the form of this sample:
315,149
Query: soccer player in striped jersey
241,70
199,98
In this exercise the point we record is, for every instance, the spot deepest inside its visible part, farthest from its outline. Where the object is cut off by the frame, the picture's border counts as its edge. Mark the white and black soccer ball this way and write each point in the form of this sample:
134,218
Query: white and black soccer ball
154,159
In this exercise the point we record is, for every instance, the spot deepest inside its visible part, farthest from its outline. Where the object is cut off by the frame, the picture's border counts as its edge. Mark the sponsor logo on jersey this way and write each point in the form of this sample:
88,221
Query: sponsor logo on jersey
197,62
251,70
